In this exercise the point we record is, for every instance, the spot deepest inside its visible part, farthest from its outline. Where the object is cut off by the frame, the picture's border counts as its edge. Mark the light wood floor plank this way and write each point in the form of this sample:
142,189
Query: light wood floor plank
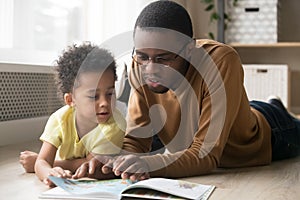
278,181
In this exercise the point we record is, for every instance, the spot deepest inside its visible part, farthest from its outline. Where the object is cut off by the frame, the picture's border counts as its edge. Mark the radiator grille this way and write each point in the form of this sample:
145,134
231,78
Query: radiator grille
27,95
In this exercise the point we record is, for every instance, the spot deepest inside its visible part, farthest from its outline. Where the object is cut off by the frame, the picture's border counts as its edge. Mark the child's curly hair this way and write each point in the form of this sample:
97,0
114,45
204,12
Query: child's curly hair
83,58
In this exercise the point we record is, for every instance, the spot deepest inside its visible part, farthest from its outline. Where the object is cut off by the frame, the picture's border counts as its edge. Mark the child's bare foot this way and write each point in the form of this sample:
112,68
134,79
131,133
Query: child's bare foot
27,160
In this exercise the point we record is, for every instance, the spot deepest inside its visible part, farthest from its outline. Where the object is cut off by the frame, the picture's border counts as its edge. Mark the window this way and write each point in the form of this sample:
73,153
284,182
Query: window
35,31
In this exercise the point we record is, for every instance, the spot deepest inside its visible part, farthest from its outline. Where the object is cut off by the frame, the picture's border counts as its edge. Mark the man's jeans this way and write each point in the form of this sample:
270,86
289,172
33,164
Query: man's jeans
285,130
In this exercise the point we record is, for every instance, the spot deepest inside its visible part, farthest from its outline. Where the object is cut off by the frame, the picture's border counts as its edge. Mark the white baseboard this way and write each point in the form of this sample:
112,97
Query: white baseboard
17,131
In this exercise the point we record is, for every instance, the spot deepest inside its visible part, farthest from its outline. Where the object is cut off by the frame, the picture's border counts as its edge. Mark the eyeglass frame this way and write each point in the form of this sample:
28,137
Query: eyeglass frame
155,60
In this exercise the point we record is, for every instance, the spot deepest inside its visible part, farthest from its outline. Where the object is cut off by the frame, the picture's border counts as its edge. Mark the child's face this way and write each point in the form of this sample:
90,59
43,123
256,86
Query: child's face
94,99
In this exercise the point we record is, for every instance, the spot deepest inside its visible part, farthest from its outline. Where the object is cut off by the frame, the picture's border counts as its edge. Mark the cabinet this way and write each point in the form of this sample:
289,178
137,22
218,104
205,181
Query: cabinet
285,51
277,53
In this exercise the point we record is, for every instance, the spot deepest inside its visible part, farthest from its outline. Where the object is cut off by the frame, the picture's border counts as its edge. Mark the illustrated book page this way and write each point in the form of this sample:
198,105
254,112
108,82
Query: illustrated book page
153,188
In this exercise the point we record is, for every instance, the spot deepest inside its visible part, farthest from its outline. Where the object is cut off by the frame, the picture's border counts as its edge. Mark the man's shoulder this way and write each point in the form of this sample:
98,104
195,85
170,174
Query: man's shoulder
208,44
216,50
202,42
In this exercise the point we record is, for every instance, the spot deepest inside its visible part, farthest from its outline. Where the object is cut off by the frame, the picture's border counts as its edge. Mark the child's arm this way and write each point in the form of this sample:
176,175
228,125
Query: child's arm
73,164
44,164
28,159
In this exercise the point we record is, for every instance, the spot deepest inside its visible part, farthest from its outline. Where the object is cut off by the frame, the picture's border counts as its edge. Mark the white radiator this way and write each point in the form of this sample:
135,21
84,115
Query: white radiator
28,96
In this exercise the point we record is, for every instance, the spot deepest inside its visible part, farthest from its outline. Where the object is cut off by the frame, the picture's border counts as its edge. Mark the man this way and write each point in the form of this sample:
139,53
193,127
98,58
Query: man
192,96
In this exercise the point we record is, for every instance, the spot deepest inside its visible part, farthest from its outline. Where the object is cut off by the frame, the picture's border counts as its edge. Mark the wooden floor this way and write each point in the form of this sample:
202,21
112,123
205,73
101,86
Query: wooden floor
278,181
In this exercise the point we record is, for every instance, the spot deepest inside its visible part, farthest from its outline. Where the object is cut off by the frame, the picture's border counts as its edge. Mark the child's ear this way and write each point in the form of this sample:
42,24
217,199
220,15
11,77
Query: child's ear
68,99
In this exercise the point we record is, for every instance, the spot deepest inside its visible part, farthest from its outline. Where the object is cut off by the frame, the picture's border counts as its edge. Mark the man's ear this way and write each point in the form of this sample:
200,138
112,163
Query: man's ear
68,99
190,47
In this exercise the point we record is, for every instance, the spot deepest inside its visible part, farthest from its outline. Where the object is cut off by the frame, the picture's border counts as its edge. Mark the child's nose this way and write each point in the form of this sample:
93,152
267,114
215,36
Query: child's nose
103,102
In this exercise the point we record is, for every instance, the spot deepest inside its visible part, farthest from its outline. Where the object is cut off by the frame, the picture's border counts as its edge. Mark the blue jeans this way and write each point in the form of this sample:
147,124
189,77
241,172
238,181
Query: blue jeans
285,130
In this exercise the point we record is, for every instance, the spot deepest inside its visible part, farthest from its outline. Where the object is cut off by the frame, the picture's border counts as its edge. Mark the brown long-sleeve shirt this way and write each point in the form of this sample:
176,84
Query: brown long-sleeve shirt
205,123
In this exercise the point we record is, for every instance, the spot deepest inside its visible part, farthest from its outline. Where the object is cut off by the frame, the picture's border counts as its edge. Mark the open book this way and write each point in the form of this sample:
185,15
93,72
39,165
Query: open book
153,188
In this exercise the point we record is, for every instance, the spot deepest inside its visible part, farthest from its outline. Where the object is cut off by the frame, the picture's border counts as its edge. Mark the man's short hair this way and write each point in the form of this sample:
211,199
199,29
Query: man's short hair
165,14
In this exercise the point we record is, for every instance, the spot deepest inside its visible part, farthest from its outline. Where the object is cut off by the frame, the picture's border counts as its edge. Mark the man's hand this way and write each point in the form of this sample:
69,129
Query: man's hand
131,167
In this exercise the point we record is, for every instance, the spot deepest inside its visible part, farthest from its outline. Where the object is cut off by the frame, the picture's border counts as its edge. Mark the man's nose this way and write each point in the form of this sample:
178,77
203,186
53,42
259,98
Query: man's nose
152,67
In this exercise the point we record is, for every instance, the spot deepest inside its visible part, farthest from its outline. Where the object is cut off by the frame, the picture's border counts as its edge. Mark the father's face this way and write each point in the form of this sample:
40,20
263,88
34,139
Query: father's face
156,53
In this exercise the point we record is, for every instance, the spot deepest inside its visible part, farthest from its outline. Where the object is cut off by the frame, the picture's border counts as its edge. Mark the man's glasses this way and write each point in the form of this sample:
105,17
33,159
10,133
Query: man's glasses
166,59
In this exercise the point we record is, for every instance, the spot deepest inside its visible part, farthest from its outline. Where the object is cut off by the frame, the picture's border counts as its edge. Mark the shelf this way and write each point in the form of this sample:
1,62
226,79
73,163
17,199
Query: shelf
273,45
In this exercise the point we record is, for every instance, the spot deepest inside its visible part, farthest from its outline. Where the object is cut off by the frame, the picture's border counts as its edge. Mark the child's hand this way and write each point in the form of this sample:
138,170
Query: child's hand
93,168
27,160
59,172
88,168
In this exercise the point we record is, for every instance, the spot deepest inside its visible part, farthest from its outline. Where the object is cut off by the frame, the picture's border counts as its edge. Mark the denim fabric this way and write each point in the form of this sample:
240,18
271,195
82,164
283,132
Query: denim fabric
285,130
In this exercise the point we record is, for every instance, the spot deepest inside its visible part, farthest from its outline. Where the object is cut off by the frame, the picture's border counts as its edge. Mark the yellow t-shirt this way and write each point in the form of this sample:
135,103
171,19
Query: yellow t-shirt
60,131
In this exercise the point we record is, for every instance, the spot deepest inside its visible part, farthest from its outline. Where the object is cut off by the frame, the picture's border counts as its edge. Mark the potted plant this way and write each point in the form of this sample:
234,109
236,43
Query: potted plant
218,14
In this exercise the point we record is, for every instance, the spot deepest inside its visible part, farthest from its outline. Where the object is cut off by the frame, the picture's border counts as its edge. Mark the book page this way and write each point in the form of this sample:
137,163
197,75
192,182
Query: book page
59,193
92,188
153,188
174,187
